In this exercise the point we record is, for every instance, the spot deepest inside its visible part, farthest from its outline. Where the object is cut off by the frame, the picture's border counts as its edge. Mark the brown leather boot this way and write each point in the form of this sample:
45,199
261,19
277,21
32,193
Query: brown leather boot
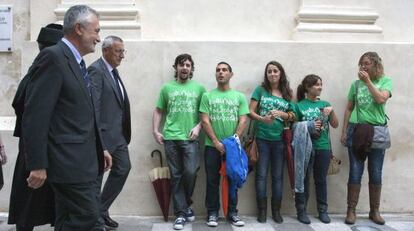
374,203
353,196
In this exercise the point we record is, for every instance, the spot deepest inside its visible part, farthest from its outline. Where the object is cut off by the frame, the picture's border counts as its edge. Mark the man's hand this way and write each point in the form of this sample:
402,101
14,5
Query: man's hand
158,137
107,160
195,132
36,178
220,147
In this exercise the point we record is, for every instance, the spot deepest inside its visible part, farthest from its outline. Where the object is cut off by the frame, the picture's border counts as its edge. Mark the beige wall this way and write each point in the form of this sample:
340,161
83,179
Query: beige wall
148,65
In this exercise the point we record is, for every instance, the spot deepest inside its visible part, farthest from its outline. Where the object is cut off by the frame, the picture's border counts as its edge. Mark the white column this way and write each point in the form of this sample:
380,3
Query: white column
317,20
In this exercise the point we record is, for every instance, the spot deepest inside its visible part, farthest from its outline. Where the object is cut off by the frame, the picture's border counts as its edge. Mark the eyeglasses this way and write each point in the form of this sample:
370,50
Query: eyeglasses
123,51
365,64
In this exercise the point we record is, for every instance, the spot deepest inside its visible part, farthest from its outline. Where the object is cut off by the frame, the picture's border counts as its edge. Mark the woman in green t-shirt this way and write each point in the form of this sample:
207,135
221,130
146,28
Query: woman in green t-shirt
310,108
269,107
366,104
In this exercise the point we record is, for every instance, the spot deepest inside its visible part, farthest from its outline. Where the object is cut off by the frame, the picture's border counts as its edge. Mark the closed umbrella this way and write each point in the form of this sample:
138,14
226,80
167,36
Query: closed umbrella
224,187
287,137
160,178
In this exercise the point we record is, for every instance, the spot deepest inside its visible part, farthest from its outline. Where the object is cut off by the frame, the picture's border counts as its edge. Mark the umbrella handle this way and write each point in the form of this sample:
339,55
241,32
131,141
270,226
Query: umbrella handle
156,151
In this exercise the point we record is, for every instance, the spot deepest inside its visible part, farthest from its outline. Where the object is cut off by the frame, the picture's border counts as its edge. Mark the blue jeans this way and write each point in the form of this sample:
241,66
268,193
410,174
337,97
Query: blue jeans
212,161
270,153
356,167
183,162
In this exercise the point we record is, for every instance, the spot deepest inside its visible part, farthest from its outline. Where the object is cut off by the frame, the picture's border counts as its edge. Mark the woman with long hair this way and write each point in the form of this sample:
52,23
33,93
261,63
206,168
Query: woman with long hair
366,104
269,107
310,108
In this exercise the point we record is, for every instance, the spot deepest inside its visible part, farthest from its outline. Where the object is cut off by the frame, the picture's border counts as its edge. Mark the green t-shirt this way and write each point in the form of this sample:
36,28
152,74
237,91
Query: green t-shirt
224,109
307,110
368,110
180,103
268,102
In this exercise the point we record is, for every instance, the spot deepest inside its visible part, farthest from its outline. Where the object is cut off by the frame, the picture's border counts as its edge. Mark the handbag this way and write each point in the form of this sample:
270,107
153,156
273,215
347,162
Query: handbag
334,165
250,147
381,138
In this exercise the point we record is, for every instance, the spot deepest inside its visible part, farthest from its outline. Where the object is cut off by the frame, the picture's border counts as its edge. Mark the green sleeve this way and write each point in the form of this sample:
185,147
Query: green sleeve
257,94
387,85
204,104
296,110
162,100
351,93
243,109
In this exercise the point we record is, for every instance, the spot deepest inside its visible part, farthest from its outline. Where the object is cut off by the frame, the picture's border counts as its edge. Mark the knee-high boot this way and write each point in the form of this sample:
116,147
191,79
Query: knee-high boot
374,203
352,200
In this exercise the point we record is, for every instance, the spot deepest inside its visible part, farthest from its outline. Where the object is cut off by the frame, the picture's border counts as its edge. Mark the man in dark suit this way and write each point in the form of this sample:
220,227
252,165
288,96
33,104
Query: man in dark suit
112,109
61,139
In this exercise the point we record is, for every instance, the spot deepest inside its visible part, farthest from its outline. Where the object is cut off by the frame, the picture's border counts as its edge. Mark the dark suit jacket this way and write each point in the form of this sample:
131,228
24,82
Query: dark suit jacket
113,112
59,126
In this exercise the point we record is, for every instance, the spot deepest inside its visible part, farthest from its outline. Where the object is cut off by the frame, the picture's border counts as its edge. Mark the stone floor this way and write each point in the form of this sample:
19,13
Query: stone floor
400,222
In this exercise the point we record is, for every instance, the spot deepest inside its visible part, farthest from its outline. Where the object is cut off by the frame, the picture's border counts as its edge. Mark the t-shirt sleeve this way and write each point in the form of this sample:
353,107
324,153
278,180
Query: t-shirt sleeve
295,109
257,94
351,93
244,109
204,104
387,85
162,100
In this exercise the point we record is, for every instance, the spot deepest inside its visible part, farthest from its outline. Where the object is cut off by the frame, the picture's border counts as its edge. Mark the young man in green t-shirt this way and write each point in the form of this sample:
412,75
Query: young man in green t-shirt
223,114
179,101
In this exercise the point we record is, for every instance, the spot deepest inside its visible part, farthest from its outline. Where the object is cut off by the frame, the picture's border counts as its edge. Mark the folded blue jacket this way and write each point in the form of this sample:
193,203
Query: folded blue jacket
236,164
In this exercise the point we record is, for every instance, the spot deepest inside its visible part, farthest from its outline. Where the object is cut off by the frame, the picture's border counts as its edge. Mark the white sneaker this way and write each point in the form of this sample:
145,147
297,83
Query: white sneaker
179,223
236,221
189,214
212,221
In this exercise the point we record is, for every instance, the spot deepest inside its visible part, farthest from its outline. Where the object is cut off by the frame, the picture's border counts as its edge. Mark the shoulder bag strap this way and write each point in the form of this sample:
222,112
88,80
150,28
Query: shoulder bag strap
356,99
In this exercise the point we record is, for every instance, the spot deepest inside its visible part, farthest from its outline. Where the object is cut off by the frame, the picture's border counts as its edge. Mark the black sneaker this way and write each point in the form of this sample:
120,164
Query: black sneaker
212,220
189,214
236,220
179,223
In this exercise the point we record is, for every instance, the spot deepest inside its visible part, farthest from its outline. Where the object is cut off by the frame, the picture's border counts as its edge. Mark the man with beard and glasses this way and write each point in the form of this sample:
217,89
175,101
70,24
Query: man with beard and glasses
179,101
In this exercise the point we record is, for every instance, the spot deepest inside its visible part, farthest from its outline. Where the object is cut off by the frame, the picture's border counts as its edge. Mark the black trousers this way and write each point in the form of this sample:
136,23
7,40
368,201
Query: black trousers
77,206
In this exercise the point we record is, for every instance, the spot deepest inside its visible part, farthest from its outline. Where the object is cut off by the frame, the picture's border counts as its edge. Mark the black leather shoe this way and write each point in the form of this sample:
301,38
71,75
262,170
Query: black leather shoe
109,223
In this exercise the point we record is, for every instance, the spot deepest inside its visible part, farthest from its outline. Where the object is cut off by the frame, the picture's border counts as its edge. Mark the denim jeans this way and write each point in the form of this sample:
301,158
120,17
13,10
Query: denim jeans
183,162
318,163
320,170
212,161
270,153
356,167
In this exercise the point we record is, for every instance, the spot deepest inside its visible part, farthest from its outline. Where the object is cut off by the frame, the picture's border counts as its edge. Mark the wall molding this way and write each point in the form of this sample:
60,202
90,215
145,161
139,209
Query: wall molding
115,18
332,19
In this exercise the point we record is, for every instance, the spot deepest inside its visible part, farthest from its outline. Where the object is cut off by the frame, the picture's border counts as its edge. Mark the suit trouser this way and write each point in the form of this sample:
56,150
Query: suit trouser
77,206
121,165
